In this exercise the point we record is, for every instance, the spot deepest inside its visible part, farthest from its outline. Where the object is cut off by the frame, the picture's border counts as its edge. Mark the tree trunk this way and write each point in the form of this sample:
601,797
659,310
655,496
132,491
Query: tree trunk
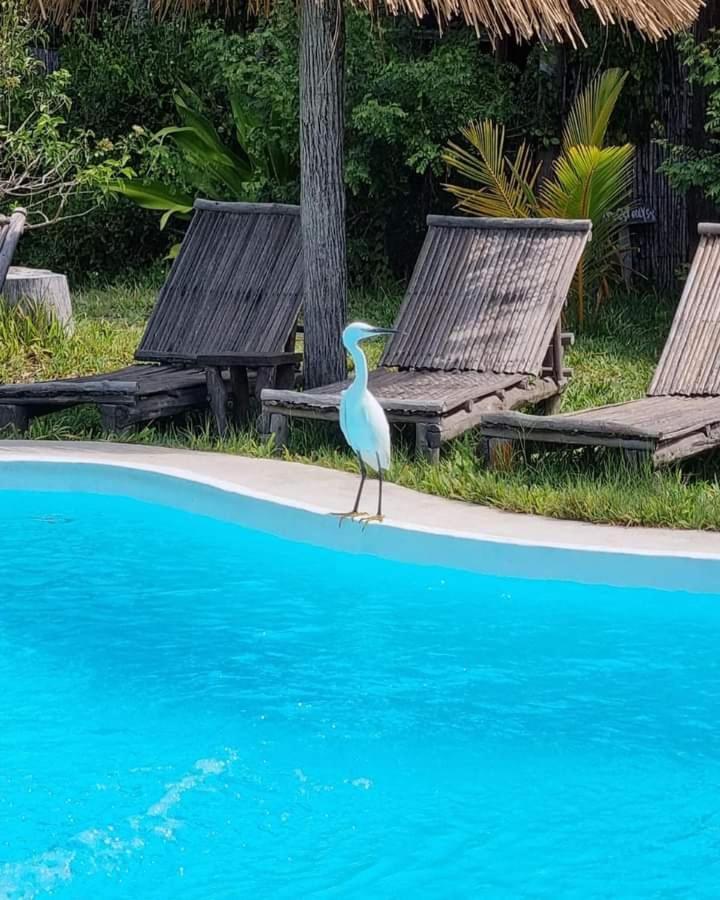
322,120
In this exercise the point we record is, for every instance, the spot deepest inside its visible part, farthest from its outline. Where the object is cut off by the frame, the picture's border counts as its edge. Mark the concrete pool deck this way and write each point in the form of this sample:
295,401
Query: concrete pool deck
418,527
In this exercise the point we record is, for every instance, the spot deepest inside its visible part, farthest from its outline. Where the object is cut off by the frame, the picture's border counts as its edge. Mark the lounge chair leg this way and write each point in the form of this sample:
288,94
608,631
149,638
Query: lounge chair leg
240,394
15,418
497,453
114,419
427,442
551,405
265,378
285,378
277,426
635,459
218,396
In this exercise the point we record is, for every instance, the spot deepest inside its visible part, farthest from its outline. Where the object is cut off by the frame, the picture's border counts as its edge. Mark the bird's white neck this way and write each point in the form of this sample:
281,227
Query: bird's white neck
361,369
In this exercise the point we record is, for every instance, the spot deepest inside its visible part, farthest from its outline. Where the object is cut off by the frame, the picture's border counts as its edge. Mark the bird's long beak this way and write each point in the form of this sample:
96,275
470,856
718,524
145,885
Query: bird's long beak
385,331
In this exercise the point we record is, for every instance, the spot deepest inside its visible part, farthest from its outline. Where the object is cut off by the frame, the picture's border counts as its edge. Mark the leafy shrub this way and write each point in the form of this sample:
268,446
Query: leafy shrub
43,160
408,91
125,74
255,167
121,75
699,167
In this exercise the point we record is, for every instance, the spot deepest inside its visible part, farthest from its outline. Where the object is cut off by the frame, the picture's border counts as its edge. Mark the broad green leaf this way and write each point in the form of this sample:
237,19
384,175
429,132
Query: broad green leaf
154,195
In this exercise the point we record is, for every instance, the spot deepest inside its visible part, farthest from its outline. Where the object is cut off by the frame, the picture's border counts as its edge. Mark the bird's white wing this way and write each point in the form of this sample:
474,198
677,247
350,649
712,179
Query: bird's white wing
344,415
378,429
366,429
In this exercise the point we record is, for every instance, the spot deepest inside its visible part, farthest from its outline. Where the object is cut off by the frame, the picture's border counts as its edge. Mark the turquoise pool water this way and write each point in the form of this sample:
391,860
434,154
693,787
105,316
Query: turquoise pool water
189,709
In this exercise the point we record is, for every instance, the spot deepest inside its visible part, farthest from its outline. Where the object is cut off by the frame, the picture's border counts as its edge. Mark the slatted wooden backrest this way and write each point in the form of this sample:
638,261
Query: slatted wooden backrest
690,363
235,286
486,294
11,227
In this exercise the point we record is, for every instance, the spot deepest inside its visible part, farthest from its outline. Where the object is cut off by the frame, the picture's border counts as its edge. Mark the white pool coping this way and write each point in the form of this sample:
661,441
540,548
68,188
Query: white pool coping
293,500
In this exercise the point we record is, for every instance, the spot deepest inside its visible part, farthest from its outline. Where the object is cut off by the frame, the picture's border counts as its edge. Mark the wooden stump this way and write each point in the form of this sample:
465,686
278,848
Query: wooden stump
40,288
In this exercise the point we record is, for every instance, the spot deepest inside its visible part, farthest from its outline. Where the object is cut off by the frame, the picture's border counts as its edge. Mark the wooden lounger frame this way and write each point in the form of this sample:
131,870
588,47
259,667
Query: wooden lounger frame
478,330
224,323
680,415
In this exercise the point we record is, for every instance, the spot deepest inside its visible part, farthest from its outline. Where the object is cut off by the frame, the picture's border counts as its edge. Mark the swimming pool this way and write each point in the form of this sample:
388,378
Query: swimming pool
194,709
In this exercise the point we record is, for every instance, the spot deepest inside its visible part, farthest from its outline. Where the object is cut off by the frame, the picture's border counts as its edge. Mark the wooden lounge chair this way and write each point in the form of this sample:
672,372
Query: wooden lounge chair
680,415
11,228
231,301
479,329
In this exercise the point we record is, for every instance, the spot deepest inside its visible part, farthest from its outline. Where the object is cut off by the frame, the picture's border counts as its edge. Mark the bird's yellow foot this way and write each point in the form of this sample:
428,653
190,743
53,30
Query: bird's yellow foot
353,514
365,520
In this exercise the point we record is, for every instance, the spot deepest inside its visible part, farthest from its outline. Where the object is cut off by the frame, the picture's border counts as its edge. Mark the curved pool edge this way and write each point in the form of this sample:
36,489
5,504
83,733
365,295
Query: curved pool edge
292,500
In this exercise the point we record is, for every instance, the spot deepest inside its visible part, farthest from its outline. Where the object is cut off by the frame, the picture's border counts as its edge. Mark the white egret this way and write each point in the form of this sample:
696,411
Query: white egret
362,419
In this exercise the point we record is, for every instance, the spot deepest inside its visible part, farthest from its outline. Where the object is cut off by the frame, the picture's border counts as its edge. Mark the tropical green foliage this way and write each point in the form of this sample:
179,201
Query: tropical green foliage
408,91
254,166
589,181
43,161
689,166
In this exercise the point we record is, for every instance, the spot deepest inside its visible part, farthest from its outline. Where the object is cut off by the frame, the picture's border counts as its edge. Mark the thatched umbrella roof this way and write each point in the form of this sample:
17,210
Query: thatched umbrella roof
549,20
555,20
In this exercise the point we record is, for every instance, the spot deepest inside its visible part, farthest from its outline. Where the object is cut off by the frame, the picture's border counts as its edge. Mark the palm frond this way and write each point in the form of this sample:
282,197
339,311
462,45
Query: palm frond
592,183
588,119
506,189
589,182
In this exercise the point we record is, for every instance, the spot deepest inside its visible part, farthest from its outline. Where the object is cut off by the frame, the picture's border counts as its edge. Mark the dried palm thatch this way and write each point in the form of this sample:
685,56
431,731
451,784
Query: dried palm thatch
554,20
549,20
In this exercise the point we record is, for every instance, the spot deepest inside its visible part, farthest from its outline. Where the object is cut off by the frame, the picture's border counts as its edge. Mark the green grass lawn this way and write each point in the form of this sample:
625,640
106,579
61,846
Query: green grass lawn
612,361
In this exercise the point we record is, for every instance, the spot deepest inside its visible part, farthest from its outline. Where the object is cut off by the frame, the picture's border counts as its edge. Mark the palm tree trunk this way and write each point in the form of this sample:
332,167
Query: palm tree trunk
322,121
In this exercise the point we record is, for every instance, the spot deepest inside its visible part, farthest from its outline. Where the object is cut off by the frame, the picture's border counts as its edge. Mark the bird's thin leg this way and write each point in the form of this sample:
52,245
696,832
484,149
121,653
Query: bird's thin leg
353,514
380,487
378,517
363,476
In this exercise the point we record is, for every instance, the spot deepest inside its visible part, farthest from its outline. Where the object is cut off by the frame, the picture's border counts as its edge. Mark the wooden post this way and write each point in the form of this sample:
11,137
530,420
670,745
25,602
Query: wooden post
635,459
285,378
14,417
218,397
265,378
240,394
279,427
427,442
498,453
551,406
114,419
